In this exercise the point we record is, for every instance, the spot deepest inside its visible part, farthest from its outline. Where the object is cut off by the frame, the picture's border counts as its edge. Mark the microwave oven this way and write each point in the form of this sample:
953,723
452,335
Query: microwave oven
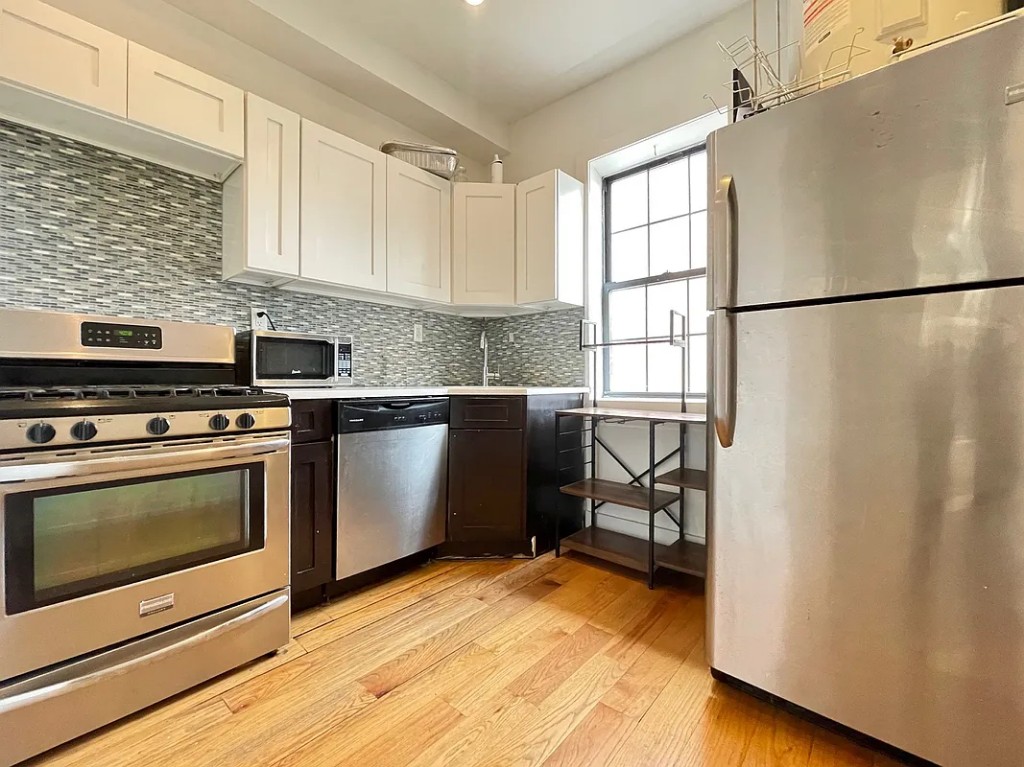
274,358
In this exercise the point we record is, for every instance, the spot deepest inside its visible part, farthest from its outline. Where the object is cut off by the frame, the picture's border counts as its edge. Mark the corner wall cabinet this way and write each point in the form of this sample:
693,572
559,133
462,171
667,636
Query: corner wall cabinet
261,199
484,244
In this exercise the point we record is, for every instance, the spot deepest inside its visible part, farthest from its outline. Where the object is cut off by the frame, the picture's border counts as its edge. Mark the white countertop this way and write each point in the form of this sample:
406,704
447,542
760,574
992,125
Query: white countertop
357,392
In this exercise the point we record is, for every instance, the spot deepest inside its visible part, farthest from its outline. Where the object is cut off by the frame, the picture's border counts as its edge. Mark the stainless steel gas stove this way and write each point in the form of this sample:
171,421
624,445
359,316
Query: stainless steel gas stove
143,519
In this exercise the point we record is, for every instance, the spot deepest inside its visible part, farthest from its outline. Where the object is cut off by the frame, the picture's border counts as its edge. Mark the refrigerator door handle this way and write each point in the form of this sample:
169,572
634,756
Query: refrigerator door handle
724,241
725,376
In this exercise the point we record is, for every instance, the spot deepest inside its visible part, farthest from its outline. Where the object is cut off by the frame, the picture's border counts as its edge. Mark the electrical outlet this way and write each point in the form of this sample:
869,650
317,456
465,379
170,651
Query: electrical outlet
511,338
417,333
258,319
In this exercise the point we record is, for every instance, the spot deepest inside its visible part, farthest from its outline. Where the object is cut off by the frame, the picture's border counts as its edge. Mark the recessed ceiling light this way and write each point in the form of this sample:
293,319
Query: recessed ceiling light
474,2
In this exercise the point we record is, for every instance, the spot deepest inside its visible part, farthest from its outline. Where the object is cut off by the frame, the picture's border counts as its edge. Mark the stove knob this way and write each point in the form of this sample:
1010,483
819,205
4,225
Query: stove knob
83,430
219,422
158,426
245,421
41,433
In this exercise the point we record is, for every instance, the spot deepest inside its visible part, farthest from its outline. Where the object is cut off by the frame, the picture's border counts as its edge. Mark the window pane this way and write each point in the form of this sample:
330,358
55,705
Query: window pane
627,367
697,319
629,255
669,190
662,298
626,316
670,246
697,367
629,201
698,240
699,181
665,369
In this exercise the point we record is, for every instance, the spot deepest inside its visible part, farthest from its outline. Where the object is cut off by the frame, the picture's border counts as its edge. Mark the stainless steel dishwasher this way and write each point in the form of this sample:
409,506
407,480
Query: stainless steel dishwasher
392,480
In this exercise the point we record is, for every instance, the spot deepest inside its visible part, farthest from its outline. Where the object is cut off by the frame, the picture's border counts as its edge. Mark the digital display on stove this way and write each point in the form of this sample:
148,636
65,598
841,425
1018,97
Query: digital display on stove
113,335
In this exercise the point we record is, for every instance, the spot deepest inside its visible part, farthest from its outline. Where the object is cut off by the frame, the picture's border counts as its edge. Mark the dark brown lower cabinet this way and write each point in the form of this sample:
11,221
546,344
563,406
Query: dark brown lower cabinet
486,486
312,515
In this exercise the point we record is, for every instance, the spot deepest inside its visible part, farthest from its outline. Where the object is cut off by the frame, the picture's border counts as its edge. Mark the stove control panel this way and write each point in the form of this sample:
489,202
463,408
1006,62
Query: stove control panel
135,427
121,336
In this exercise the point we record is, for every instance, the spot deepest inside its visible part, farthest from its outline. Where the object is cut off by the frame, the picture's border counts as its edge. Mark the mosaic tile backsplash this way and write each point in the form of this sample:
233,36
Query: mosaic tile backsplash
544,350
86,229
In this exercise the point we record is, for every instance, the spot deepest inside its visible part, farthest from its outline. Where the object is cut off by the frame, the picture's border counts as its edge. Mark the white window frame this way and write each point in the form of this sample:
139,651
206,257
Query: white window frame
672,141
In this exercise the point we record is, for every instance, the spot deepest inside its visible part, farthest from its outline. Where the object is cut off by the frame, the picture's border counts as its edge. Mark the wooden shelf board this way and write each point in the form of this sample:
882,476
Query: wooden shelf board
633,496
631,414
692,479
625,550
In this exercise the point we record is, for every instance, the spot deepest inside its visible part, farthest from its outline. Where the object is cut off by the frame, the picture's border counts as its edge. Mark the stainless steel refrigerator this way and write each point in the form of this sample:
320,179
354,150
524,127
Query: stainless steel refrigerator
866,504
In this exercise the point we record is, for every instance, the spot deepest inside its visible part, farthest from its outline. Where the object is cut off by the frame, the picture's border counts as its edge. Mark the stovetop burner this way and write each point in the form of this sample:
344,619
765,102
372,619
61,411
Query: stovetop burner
34,394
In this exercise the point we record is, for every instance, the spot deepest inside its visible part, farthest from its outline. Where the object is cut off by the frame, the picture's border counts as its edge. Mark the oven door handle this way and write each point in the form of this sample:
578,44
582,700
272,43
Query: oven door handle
94,462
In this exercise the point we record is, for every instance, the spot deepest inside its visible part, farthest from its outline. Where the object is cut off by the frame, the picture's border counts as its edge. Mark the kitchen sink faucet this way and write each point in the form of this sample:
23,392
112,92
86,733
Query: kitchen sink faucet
488,377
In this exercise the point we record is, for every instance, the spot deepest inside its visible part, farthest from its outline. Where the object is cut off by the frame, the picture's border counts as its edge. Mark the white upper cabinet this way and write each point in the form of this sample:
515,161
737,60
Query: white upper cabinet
343,210
484,245
261,199
549,241
419,233
56,53
176,99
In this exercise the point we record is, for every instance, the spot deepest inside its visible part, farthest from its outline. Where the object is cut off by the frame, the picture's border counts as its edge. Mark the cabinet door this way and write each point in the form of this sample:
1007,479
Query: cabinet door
484,244
419,233
272,187
549,240
343,210
312,515
176,99
486,485
54,52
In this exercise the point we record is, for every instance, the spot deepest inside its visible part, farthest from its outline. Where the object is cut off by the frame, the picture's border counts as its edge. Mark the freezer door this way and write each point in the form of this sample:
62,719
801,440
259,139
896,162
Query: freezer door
907,177
867,523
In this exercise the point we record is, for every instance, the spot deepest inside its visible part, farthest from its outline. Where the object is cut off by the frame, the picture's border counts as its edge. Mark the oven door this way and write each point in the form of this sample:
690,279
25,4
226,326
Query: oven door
105,544
293,359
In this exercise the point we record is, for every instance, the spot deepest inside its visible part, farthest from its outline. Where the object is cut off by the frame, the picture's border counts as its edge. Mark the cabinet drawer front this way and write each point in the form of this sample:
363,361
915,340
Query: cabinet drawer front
54,52
181,101
487,412
312,420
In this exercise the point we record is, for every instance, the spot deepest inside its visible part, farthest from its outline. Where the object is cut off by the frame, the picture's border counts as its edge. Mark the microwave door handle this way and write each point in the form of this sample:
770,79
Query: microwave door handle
120,461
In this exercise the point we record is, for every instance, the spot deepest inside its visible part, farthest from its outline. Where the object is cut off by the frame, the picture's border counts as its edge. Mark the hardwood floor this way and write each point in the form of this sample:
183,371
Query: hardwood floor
542,662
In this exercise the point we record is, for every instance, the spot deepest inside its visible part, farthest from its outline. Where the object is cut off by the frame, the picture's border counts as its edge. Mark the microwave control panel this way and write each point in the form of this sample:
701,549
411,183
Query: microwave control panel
345,360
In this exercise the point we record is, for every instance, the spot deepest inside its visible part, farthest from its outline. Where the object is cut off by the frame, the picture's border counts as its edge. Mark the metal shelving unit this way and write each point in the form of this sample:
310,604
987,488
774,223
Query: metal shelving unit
626,550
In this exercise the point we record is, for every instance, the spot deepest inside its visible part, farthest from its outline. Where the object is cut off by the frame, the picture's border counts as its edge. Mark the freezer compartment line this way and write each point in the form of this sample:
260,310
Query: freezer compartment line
958,287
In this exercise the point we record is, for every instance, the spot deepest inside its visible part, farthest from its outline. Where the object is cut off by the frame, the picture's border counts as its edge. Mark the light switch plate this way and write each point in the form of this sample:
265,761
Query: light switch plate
417,333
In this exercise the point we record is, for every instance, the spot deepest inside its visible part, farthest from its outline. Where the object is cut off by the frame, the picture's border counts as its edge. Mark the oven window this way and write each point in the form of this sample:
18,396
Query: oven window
283,358
67,542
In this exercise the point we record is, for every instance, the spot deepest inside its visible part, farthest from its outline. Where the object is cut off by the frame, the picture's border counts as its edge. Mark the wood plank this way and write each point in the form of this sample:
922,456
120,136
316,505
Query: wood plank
558,664
780,741
831,750
683,556
593,740
307,620
691,479
636,414
644,681
619,493
359,600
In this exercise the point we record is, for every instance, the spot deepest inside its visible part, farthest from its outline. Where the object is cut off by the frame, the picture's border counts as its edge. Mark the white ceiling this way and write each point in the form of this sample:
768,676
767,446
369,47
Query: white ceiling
516,56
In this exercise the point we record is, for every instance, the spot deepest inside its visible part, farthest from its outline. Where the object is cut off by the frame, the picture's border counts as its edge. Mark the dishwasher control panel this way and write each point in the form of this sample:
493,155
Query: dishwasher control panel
377,415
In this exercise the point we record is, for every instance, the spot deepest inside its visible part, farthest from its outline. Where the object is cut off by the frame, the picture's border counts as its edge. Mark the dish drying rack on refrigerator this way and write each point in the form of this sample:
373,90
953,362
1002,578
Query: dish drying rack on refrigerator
576,430
758,85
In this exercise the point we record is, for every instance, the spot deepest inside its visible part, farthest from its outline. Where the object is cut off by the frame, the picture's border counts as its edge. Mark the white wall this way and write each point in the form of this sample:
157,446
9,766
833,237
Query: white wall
168,30
657,92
